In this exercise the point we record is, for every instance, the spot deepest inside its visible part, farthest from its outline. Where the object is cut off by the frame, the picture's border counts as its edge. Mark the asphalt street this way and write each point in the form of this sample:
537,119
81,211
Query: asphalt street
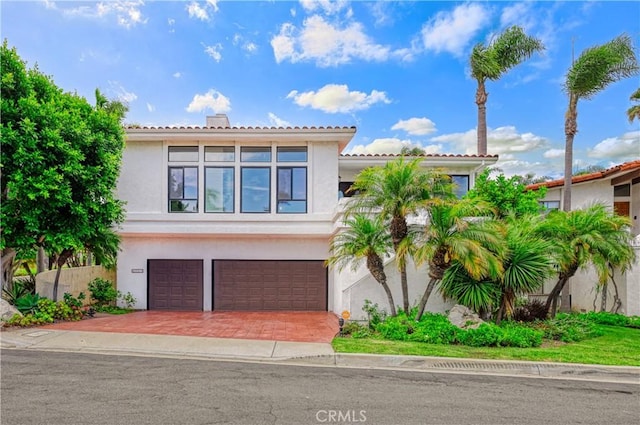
74,388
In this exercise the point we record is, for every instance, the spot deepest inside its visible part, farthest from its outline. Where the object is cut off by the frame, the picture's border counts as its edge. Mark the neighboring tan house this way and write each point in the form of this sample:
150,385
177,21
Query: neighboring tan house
618,188
240,218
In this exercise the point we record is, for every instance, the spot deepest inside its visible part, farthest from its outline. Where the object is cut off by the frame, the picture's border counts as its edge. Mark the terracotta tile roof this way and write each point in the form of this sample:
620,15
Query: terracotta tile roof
195,127
627,166
430,155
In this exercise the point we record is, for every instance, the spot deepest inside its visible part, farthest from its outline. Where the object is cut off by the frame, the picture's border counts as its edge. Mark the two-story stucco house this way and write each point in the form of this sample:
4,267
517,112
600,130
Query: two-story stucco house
240,218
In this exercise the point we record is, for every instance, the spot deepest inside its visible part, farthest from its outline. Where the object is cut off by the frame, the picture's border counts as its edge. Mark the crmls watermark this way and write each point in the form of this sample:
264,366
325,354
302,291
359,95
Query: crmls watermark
341,416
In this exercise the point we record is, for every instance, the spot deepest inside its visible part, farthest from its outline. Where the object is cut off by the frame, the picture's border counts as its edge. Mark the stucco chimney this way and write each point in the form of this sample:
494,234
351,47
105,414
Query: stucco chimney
218,120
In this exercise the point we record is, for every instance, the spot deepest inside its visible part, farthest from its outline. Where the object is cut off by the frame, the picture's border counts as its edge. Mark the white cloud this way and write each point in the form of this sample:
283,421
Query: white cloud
214,51
150,107
518,14
127,13
625,147
177,74
416,126
196,11
334,98
510,167
121,93
499,141
277,121
391,145
329,7
554,153
250,47
452,31
326,44
213,100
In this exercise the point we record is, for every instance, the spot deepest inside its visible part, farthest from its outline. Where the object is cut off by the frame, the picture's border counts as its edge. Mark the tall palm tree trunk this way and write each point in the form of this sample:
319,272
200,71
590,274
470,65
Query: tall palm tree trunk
399,232
481,101
570,130
425,297
376,268
552,300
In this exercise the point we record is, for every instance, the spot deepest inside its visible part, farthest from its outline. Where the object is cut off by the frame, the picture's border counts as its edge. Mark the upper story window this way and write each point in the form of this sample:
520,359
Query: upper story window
219,189
255,154
255,192
183,189
291,154
183,153
461,185
622,190
219,153
292,189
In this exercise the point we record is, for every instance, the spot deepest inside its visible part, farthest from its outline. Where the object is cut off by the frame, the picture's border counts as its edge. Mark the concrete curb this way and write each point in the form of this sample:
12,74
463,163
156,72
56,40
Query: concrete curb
626,374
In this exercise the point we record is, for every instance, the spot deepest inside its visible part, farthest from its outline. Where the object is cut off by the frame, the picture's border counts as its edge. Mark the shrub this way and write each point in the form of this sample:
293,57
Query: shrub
485,335
568,328
102,291
128,299
520,336
19,289
356,330
374,314
530,311
73,301
434,329
397,328
27,303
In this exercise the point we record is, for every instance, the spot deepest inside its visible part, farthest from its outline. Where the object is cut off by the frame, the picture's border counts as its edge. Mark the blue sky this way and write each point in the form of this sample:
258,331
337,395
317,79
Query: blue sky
398,71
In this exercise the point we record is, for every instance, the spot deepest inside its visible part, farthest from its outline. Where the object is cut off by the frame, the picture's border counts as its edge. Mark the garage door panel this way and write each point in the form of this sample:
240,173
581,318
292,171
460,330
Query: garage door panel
269,285
175,284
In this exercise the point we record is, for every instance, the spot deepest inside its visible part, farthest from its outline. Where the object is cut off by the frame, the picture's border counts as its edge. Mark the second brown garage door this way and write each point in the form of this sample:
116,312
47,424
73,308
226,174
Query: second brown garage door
252,285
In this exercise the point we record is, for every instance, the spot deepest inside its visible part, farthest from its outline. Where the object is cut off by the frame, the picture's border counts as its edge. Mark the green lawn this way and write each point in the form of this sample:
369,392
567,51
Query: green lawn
618,346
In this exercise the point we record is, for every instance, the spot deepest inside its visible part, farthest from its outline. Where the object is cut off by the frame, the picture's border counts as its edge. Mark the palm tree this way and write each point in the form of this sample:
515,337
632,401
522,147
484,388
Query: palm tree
526,264
592,235
490,62
633,113
395,191
454,232
592,72
363,238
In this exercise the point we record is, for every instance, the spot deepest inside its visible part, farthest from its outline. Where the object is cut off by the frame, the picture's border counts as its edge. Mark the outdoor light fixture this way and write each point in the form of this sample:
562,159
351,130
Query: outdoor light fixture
341,324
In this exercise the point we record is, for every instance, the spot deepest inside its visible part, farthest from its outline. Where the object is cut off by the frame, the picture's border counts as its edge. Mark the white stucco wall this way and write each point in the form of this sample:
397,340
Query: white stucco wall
359,286
132,262
141,176
635,209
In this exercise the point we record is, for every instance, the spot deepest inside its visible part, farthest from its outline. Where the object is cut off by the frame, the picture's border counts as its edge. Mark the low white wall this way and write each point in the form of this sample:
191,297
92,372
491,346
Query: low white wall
360,286
72,280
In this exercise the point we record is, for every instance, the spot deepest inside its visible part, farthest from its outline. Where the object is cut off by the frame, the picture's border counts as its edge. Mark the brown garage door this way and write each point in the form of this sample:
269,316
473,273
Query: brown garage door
269,285
175,284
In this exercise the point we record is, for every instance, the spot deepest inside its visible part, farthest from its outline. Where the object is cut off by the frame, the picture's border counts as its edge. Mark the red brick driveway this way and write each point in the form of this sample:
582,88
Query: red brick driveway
276,326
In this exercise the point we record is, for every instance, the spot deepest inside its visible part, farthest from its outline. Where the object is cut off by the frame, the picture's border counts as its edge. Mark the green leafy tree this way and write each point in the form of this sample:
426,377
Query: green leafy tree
395,191
592,72
60,163
363,239
526,263
414,151
455,233
633,113
581,237
491,62
506,195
